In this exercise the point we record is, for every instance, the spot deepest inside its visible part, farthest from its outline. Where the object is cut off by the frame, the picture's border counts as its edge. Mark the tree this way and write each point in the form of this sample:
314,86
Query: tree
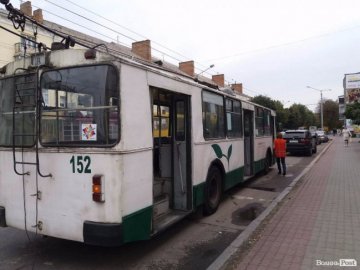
277,106
330,114
353,112
264,101
300,115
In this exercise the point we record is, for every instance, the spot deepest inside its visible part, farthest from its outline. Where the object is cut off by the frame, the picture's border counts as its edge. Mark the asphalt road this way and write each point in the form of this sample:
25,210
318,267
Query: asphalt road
194,243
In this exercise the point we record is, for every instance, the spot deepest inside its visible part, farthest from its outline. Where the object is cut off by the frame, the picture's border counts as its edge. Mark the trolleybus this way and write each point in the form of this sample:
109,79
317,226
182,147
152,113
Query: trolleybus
107,150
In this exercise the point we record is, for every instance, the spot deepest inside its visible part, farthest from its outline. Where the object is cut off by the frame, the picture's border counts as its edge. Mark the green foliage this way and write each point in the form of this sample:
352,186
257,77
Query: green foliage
300,115
264,101
353,112
282,114
331,114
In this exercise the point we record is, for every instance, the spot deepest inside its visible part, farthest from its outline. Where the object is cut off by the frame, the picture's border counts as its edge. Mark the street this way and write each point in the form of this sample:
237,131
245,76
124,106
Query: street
194,243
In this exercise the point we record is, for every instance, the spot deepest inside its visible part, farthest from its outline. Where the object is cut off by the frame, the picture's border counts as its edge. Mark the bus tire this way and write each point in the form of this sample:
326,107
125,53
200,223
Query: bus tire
212,191
267,163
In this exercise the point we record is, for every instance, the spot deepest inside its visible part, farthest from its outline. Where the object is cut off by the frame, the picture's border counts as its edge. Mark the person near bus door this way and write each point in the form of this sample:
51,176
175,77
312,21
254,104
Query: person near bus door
280,153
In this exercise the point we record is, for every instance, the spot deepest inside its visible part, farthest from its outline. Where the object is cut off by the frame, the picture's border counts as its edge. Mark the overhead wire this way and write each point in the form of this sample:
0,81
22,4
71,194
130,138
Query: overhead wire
90,20
77,24
117,32
19,19
131,31
19,35
126,28
84,17
108,28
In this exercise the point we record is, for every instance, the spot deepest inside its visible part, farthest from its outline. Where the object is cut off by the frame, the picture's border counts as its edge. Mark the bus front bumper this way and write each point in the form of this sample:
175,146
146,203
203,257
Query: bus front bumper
102,234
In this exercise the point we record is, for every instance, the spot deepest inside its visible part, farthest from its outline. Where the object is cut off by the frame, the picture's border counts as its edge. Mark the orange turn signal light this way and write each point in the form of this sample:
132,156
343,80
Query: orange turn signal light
98,188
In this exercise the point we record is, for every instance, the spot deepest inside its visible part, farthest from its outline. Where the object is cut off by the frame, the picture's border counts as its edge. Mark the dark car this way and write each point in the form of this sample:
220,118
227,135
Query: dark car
300,141
322,135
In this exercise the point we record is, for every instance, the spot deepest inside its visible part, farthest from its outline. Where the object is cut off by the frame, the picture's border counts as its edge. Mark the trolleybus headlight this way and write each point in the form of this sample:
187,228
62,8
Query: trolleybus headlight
98,188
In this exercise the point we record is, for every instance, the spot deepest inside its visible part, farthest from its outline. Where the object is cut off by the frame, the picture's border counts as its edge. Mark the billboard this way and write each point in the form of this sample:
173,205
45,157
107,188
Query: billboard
352,81
352,88
352,95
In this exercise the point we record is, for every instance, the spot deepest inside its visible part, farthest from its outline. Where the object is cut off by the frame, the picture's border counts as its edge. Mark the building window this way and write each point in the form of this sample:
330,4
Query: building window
27,42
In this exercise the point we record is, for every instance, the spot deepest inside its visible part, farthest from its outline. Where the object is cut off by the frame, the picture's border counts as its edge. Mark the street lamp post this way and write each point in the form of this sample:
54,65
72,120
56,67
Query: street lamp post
321,105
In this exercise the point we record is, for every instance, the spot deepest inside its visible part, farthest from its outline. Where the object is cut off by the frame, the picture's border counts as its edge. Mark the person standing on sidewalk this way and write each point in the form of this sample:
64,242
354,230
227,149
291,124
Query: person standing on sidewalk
280,153
346,135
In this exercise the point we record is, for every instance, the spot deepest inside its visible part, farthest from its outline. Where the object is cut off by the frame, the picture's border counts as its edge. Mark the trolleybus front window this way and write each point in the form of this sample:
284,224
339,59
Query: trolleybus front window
80,106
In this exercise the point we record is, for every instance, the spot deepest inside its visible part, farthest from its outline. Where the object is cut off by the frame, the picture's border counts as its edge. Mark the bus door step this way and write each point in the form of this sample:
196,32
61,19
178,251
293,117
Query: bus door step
161,206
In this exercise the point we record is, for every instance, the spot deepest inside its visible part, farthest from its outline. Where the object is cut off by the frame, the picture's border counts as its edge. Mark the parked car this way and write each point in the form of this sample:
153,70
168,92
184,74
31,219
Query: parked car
322,136
300,141
315,135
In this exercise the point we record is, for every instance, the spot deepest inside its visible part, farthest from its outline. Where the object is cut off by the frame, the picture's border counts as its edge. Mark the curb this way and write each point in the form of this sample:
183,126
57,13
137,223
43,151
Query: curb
220,262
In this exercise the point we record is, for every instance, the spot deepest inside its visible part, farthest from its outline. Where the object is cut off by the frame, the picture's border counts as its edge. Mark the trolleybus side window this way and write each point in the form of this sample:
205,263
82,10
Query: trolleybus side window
213,116
233,118
267,123
80,106
259,121
22,88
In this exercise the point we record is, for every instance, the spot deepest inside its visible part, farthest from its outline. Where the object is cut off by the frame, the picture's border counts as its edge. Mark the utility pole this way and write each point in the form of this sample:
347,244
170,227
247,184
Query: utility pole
321,105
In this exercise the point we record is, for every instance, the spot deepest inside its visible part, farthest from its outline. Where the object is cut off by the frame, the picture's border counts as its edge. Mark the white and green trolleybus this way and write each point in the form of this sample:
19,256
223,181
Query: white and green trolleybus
106,150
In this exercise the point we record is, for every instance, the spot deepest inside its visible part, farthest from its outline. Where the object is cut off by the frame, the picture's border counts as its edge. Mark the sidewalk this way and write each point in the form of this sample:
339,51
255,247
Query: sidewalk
319,223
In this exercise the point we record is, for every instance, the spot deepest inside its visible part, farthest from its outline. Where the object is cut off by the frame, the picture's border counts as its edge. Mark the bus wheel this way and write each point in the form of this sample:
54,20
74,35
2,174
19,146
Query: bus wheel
267,163
212,191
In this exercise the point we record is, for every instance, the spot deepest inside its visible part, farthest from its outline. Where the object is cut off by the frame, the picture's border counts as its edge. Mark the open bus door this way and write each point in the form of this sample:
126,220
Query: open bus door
171,158
181,157
248,142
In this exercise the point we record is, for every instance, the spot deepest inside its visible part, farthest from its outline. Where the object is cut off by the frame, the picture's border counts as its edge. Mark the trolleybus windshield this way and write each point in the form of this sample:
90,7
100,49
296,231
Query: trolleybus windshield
80,106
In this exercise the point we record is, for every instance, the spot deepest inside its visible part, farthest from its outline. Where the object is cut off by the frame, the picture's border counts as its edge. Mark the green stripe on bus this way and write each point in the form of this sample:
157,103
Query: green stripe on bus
198,195
233,178
259,165
137,226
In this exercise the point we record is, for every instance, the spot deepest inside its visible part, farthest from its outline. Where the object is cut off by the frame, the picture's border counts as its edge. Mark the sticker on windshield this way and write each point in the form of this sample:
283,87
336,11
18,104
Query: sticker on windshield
88,132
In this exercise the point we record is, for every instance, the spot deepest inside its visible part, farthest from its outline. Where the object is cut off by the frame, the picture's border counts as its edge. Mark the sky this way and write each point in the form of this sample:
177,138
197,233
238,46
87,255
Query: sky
274,48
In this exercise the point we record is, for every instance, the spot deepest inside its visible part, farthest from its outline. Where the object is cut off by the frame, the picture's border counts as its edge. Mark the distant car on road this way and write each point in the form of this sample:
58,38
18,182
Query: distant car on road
322,136
315,135
300,141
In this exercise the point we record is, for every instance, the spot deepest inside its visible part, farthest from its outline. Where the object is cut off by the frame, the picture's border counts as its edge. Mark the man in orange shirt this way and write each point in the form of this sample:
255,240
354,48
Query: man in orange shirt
280,153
